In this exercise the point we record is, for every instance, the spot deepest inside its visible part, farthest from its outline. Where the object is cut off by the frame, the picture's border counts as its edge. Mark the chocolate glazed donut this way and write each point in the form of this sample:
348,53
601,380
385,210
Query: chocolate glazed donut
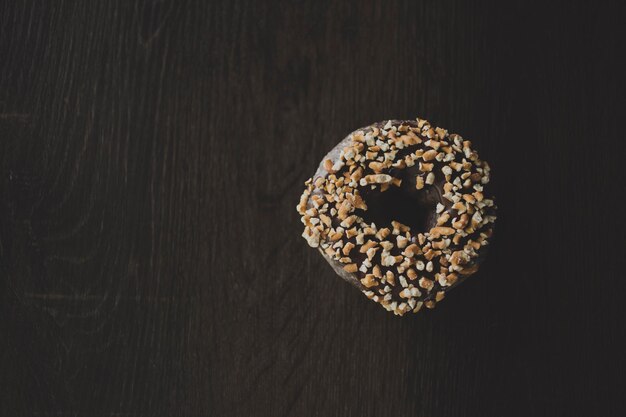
398,209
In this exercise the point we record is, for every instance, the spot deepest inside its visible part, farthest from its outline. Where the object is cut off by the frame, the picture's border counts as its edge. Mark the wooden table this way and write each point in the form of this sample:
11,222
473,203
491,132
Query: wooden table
151,157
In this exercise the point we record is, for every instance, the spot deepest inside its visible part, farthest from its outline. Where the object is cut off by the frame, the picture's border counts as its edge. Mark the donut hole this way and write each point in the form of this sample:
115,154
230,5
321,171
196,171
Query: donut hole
416,210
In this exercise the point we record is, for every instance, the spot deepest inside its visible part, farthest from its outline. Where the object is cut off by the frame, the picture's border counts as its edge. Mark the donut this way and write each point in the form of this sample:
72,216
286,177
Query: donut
399,210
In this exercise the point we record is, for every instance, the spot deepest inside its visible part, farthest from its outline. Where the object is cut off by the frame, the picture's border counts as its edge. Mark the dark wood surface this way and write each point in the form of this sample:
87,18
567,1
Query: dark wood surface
151,157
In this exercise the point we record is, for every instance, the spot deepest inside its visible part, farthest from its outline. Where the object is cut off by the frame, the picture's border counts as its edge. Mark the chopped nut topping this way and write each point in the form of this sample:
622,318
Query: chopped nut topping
328,209
433,144
386,245
403,282
377,166
459,258
442,244
429,155
411,274
412,250
469,198
371,252
368,281
426,283
335,236
441,230
326,220
369,231
426,167
399,227
462,222
452,278
443,219
369,244
348,221
419,183
376,272
347,248
383,233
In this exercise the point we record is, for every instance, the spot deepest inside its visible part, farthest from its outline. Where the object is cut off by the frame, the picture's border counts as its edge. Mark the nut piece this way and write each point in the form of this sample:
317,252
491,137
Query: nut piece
376,166
365,247
426,283
459,258
368,281
441,230
462,222
419,182
411,274
429,155
426,167
412,250
347,248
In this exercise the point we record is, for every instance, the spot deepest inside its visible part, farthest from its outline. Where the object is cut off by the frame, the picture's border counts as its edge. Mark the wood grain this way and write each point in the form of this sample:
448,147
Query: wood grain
151,157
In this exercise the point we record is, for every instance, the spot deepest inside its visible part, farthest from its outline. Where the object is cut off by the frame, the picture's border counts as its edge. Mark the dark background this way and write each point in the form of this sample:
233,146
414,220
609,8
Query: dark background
152,154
